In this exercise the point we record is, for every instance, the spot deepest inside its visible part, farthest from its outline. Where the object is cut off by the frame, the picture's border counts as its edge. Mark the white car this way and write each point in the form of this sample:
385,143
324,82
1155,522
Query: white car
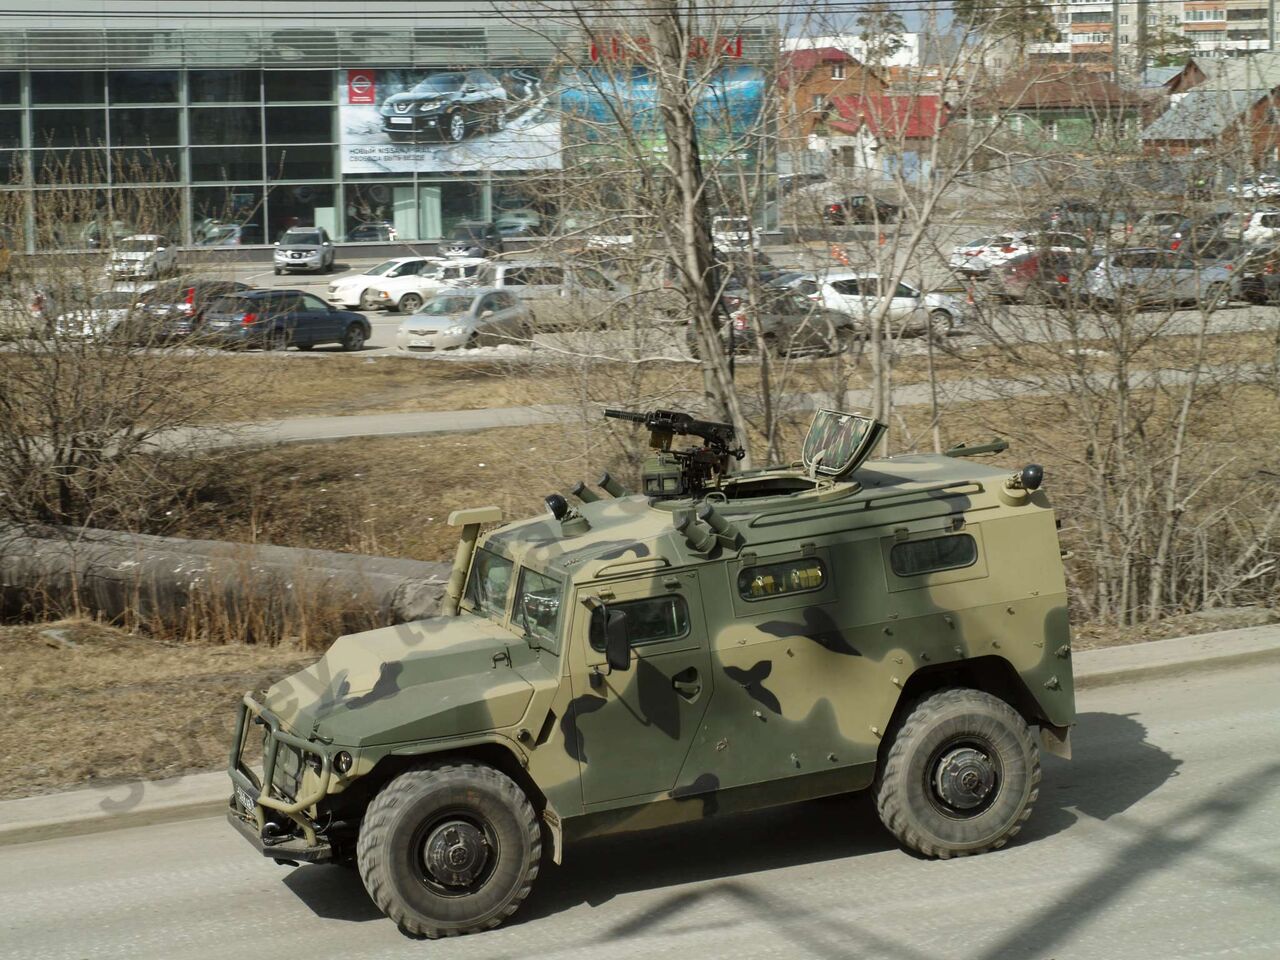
361,291
1262,187
146,255
1261,227
734,234
985,254
105,312
858,295
407,292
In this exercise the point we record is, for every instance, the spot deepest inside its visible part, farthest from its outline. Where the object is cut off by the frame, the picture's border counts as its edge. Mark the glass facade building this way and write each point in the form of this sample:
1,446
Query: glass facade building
241,129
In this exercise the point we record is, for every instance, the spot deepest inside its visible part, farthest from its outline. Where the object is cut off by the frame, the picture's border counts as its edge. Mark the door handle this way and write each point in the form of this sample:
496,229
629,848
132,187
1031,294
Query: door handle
687,684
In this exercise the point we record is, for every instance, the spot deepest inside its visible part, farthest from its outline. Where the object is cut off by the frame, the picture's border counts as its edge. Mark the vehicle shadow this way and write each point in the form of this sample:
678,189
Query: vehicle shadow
1115,766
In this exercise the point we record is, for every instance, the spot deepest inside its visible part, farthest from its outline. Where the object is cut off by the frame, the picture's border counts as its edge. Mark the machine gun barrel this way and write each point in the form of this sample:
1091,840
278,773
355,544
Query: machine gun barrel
625,415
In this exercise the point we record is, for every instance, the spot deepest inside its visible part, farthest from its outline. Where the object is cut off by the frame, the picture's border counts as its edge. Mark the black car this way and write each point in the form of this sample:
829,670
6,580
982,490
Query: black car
1078,215
861,209
445,106
176,308
278,319
473,238
371,233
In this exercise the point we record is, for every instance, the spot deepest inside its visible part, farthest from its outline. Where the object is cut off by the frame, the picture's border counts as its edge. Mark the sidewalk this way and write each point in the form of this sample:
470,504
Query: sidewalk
142,803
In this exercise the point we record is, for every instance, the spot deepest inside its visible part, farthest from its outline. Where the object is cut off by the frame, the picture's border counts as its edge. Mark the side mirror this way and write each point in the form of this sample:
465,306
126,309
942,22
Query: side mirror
326,243
617,641
160,249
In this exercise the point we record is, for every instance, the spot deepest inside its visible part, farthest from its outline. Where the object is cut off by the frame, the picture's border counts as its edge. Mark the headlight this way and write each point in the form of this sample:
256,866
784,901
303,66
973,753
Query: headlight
430,106
342,762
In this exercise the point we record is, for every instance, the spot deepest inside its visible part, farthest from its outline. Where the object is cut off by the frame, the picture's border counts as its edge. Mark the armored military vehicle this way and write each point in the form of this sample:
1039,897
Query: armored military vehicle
722,642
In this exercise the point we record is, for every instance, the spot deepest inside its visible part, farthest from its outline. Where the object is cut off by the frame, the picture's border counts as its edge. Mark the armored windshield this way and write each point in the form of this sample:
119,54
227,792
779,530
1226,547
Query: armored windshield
538,609
837,443
490,580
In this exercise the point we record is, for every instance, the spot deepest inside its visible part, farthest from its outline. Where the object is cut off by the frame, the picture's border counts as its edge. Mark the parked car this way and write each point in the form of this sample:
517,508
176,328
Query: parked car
467,318
519,223
1076,215
1262,226
1154,226
1195,231
407,293
371,233
107,314
861,209
563,294
1262,187
979,258
1041,275
858,295
143,255
232,235
446,106
278,319
304,248
788,323
361,290
473,238
1156,275
176,308
1258,273
734,234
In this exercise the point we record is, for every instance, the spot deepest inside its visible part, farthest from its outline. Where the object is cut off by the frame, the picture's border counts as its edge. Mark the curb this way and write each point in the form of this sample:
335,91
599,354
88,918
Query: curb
148,802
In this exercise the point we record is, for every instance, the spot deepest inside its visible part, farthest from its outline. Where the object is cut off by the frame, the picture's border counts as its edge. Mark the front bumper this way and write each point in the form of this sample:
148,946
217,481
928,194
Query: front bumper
419,123
312,261
274,817
425,342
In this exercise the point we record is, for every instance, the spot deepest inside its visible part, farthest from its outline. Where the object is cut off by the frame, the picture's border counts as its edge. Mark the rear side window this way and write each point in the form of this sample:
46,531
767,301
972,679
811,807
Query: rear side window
937,553
846,288
232,305
807,288
778,579
651,620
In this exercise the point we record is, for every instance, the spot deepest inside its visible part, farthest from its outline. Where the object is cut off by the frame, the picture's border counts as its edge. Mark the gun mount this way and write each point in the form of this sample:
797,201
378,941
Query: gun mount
670,474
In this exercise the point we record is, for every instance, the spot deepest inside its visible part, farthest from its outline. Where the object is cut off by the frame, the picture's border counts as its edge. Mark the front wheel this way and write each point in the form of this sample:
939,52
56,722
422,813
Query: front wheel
960,775
368,301
409,303
449,849
455,129
353,338
939,324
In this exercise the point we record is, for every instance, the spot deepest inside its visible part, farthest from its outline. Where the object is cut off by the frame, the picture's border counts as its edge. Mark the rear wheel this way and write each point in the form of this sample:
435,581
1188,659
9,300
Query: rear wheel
960,775
450,849
276,339
1216,295
353,338
409,303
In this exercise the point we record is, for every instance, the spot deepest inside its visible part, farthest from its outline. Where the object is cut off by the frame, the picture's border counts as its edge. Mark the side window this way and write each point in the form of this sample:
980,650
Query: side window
905,292
284,303
593,279
846,288
917,557
650,620
411,269
1271,220
311,302
519,278
489,302
776,579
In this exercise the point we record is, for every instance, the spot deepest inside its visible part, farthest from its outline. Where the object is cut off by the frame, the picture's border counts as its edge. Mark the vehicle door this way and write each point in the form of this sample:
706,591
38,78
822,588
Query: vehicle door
630,730
284,311
597,293
846,296
543,288
491,319
906,303
323,323
1179,275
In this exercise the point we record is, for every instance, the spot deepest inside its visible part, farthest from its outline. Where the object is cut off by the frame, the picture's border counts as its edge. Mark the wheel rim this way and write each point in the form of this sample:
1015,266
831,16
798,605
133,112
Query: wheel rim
963,778
355,339
410,303
457,127
455,853
939,323
367,300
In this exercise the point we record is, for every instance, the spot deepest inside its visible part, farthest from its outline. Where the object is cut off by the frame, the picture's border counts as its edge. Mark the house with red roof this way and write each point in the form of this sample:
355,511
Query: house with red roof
888,133
808,80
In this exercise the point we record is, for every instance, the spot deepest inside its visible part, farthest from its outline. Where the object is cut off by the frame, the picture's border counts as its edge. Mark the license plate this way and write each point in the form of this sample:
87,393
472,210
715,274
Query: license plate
402,120
422,341
246,800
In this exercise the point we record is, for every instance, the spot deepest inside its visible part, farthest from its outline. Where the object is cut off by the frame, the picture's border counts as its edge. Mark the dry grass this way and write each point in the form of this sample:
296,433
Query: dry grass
88,704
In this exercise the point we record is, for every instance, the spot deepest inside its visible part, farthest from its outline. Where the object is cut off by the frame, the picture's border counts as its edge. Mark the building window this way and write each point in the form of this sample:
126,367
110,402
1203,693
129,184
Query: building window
68,86
1196,16
224,86
837,71
929,556
1124,38
143,86
778,579
1124,20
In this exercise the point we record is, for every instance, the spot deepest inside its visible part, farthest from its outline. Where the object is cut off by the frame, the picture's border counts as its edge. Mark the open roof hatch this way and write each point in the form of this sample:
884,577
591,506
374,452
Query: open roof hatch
837,443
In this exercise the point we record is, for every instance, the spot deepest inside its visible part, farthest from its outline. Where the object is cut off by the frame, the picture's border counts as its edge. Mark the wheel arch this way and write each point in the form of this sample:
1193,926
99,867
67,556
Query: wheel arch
989,674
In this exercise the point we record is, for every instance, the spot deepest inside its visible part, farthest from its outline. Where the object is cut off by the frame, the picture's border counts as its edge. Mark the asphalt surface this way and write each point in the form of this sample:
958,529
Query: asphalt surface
1157,841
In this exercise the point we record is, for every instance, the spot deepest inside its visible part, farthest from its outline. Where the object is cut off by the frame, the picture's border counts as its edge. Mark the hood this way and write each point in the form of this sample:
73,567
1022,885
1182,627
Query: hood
308,247
435,324
407,101
133,254
442,677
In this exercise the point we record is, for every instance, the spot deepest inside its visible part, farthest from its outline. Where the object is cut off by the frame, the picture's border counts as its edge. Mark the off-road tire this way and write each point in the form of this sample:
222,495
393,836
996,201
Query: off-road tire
905,788
394,874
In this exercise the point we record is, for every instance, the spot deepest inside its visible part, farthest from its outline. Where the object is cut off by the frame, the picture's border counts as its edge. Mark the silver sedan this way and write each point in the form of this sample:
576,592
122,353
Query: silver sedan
466,318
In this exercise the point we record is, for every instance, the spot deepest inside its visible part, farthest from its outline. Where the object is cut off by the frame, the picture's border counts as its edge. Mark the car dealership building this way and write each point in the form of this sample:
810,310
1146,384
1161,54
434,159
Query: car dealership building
246,121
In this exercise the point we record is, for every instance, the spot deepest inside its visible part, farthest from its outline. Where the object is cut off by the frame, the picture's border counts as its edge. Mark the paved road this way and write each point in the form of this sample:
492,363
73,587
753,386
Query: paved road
1158,842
